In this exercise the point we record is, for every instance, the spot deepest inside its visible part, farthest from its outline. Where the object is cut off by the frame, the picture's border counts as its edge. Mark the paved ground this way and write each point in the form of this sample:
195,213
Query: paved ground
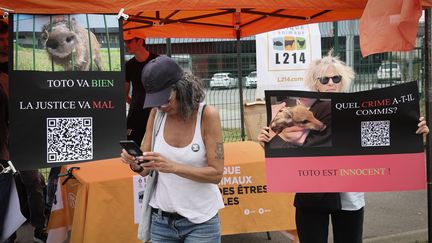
391,217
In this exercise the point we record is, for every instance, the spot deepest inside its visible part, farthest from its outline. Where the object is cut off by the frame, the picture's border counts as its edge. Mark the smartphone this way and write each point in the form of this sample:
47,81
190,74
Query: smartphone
131,147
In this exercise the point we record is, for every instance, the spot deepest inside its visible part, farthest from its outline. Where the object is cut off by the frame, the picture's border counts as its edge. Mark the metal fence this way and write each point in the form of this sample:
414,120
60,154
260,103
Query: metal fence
207,57
212,57
220,57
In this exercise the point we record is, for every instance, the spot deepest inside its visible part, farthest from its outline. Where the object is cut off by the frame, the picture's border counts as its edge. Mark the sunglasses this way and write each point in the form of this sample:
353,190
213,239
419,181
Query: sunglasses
336,79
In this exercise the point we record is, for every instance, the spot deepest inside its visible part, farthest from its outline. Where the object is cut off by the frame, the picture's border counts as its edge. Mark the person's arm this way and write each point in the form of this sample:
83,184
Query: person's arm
146,146
128,98
128,81
212,136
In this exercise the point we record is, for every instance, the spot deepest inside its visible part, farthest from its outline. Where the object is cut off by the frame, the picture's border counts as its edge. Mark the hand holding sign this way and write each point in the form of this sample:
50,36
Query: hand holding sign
266,133
422,127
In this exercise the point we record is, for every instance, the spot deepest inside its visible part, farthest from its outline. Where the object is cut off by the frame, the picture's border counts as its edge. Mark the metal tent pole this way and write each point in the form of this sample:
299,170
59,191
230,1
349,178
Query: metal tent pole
335,38
168,47
240,83
427,72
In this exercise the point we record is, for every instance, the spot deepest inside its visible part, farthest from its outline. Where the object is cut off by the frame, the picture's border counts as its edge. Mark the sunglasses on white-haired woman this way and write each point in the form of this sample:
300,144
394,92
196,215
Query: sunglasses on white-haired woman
336,79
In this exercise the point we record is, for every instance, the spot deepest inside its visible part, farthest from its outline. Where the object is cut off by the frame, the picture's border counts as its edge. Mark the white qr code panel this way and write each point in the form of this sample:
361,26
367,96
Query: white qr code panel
69,139
375,133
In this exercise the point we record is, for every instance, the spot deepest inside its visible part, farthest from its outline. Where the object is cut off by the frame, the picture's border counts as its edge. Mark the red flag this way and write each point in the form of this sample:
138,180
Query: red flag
389,25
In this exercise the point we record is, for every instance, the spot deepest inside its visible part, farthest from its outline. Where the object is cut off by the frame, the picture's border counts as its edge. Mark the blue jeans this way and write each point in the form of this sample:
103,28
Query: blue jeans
167,230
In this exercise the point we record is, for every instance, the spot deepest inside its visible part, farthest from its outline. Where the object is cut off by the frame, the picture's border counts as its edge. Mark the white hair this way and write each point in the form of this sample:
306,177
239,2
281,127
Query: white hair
318,68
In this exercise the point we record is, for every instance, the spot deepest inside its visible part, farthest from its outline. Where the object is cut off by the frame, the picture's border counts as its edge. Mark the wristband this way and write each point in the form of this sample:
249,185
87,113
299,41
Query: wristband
136,171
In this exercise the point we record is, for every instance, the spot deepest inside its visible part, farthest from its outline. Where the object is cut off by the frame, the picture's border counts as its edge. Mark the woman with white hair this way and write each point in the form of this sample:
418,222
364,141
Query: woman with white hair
346,209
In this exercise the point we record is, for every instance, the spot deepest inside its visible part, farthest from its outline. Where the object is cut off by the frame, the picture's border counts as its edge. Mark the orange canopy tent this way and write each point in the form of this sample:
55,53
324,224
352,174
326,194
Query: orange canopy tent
202,18
210,18
205,18
235,19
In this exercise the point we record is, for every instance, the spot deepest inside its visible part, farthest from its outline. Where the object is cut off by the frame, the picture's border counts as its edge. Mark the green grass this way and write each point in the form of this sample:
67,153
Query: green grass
39,61
231,135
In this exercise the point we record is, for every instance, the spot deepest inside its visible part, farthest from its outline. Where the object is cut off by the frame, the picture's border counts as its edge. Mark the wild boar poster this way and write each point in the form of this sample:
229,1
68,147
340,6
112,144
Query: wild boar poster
66,89
345,142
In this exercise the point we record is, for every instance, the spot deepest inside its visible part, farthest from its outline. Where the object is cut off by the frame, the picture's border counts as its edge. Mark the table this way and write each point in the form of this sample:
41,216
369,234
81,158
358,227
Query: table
99,205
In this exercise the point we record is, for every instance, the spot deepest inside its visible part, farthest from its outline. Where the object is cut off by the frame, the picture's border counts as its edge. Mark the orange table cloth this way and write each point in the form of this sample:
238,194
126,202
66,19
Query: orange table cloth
98,205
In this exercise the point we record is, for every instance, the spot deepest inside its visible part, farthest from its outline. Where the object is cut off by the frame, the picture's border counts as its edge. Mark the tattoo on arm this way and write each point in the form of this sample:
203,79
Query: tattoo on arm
219,151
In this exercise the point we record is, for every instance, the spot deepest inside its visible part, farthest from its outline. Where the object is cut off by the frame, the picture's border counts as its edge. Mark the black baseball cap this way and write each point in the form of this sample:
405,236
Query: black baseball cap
158,77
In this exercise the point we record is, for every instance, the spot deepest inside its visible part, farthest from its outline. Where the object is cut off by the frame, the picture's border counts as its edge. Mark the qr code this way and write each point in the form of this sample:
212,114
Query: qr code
375,133
69,139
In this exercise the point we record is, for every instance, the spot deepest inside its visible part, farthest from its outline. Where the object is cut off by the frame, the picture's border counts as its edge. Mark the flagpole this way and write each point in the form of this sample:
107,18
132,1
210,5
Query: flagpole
428,100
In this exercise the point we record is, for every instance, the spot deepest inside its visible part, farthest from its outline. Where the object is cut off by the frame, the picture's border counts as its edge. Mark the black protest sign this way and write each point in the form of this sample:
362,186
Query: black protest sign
342,142
380,121
67,99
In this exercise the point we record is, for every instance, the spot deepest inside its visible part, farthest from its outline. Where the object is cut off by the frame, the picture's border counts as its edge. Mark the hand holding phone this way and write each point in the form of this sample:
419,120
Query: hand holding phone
133,149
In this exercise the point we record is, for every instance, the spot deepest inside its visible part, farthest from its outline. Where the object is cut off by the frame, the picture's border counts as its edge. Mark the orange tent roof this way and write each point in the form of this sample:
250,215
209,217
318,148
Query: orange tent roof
229,22
202,18
135,6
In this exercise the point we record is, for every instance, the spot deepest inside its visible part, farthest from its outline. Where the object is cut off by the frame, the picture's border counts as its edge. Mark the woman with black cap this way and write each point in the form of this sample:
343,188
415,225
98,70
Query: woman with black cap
187,153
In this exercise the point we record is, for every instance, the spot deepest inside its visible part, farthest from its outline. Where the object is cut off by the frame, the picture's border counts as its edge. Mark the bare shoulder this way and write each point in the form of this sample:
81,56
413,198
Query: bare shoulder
153,111
212,129
211,119
211,112
151,117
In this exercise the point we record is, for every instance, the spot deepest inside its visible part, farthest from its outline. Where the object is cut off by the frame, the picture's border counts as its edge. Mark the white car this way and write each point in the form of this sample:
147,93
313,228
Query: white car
251,80
388,69
223,80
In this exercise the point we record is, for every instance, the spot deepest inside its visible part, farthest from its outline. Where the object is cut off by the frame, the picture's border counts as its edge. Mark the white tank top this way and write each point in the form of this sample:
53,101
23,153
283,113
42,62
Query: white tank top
194,200
352,201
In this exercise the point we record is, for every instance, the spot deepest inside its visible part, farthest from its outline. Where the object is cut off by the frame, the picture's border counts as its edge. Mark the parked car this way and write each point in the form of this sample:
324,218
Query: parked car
251,80
223,80
388,69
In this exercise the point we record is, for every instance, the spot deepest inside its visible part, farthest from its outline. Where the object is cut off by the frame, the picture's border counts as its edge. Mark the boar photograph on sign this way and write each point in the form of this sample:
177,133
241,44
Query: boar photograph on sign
284,55
66,89
341,142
